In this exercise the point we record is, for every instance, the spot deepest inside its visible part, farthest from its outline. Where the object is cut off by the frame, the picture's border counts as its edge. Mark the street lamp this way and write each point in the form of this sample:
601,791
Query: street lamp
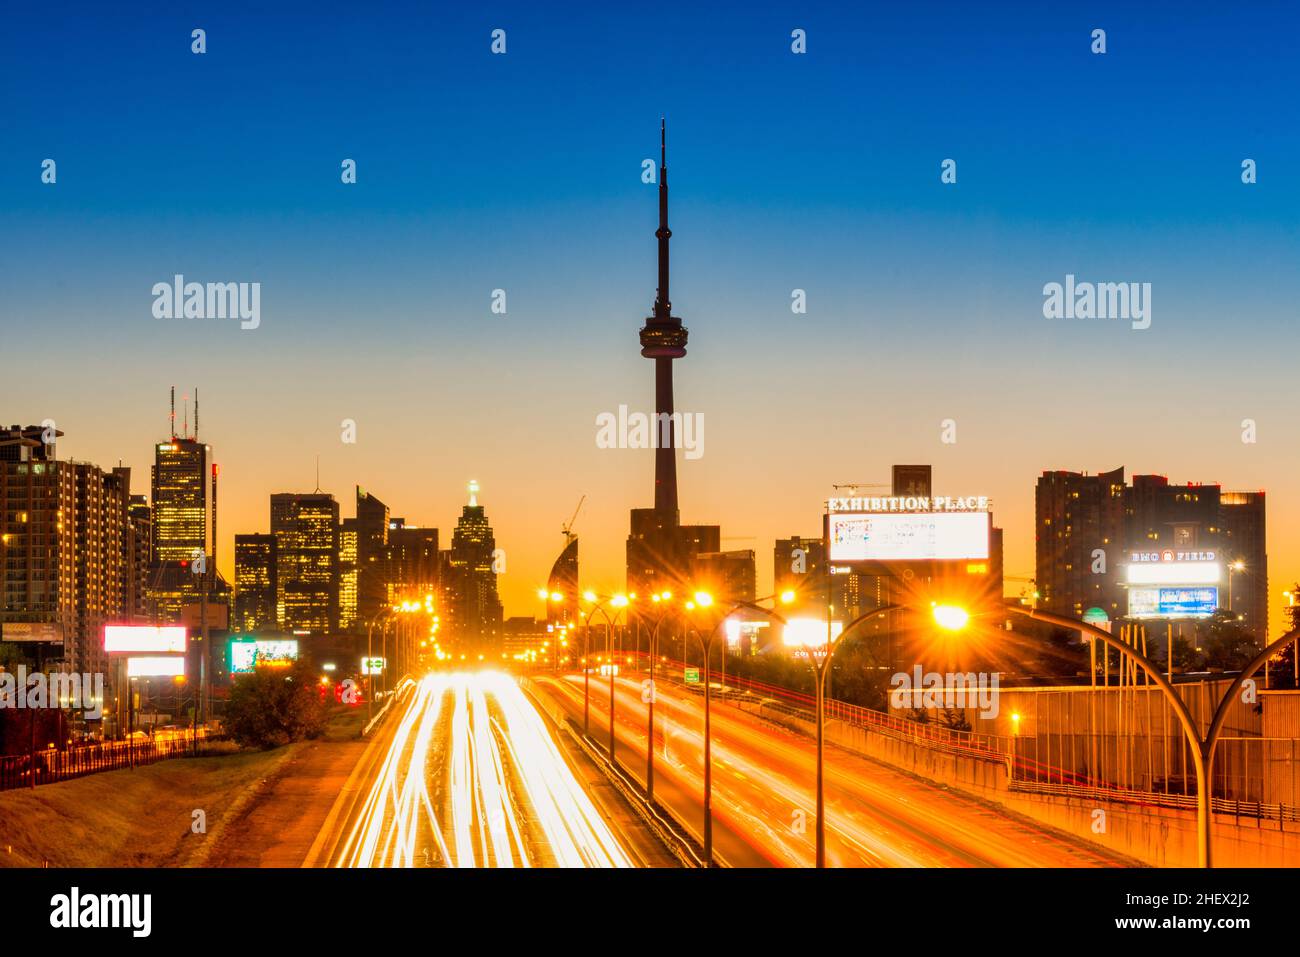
820,662
660,599
1202,748
703,599
598,602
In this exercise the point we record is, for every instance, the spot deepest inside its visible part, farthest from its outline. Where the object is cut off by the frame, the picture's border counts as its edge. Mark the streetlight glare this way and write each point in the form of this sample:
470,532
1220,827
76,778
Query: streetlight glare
703,599
589,596
950,617
787,596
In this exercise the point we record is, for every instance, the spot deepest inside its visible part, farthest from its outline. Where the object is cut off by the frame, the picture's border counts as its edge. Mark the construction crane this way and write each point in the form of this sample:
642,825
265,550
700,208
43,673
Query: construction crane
567,528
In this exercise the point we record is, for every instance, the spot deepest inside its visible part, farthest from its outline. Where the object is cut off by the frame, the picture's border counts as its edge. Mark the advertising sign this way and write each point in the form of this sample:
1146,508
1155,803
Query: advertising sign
909,536
247,655
31,631
147,639
155,666
1191,602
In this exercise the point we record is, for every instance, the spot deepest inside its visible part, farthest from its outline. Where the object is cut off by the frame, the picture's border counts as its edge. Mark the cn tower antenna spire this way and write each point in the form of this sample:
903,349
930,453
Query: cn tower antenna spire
663,301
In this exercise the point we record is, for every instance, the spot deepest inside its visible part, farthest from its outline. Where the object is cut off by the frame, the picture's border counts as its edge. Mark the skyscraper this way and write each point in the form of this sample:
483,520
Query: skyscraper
181,506
306,527
372,522
410,562
255,583
475,610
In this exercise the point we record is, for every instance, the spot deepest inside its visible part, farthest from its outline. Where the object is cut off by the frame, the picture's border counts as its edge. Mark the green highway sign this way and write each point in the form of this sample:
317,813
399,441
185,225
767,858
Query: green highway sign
692,676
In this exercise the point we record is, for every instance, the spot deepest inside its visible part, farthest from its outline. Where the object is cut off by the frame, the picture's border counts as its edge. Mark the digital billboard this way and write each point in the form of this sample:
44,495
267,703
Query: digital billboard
1191,602
1174,573
147,639
155,667
246,655
908,536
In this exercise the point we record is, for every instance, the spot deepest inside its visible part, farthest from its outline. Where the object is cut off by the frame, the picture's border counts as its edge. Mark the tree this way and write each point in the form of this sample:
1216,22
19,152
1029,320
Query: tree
274,706
1226,646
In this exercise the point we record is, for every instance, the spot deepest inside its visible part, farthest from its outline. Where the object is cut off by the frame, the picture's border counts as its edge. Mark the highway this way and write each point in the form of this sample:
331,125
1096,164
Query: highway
469,775
763,800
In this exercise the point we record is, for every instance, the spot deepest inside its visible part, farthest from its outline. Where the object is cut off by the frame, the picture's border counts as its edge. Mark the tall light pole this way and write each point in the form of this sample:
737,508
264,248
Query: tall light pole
597,603
1202,748
703,599
660,599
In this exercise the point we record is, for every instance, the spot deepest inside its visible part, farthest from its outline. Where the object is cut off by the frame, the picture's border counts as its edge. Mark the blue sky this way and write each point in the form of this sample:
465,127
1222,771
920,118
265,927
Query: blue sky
522,172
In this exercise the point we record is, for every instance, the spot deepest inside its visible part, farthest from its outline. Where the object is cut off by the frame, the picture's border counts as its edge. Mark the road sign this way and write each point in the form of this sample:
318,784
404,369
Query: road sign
692,676
372,666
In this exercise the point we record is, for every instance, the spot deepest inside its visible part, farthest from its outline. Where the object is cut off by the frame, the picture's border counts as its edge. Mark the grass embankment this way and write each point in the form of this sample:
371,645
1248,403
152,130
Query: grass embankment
128,818
142,817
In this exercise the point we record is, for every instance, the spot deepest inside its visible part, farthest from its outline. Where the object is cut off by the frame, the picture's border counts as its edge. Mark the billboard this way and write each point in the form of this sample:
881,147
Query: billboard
155,666
809,632
1190,602
31,631
246,655
149,639
1174,573
908,536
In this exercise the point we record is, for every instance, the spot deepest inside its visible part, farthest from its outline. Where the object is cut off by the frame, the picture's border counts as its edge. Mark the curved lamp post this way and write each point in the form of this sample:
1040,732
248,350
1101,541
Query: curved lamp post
598,603
1202,747
705,600
820,664
660,599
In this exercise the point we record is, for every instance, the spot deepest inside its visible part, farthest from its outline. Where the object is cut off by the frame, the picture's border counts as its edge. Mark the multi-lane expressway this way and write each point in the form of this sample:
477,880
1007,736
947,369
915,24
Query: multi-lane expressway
469,775
468,772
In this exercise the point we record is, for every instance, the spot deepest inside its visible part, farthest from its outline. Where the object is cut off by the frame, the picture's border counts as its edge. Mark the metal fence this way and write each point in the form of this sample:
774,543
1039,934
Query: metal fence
61,764
1137,754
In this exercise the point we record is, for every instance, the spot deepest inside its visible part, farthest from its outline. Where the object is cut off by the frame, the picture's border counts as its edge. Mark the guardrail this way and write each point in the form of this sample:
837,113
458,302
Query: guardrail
51,765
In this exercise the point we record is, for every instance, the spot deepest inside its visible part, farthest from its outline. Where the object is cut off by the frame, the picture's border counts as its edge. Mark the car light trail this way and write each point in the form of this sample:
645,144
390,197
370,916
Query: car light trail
504,775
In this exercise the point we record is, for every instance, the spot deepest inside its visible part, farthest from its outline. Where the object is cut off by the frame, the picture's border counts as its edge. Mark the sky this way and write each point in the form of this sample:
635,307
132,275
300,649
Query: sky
521,171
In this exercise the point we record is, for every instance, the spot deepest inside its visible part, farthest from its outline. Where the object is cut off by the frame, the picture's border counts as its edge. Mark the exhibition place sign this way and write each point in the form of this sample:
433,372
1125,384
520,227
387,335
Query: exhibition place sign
911,503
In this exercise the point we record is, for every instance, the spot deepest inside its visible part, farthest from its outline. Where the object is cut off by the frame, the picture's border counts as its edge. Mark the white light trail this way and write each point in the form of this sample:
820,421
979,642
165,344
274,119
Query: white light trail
500,761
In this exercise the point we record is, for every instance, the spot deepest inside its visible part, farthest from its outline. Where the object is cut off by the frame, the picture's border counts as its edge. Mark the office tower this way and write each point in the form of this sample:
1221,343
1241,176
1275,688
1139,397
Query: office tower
66,551
731,576
799,565
563,581
1246,559
475,610
180,501
255,583
349,572
306,528
141,546
1080,525
410,562
372,520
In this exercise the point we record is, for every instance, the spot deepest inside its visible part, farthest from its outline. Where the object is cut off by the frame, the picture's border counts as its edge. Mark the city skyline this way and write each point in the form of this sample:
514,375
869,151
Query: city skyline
519,589
377,296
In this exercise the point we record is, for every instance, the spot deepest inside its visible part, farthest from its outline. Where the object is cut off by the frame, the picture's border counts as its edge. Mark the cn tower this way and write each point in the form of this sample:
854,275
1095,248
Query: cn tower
663,339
